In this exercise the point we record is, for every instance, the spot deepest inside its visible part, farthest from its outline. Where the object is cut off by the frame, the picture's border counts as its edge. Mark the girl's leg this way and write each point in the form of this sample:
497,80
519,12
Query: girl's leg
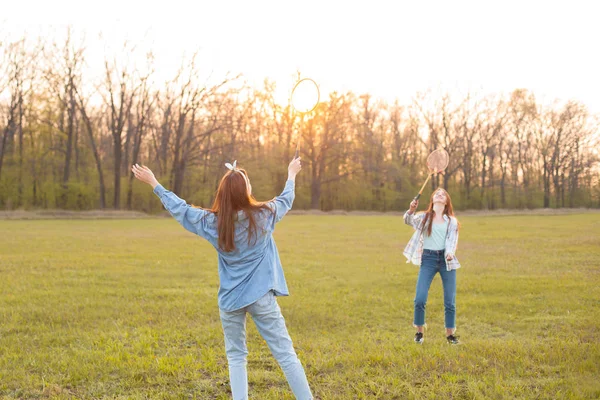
271,325
234,328
449,283
426,273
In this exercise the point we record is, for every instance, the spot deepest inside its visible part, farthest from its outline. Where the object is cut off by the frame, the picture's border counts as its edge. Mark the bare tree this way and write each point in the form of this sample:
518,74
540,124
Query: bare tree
495,114
139,123
323,136
195,122
407,147
63,75
523,115
120,89
90,129
469,125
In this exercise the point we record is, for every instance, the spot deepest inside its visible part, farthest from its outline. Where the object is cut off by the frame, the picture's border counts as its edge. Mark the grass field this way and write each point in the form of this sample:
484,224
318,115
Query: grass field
127,309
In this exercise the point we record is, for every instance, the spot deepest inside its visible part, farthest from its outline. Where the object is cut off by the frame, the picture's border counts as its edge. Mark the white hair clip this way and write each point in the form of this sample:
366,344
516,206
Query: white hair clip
232,167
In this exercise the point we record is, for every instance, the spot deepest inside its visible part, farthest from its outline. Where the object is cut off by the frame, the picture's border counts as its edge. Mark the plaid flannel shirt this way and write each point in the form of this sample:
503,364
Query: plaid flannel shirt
414,248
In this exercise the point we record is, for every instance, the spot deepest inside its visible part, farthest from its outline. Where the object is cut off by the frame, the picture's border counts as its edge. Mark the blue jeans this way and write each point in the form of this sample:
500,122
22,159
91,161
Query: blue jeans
432,262
270,324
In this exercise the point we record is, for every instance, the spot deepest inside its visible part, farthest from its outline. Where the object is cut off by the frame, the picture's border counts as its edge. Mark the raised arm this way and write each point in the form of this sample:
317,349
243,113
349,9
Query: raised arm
410,218
189,217
283,202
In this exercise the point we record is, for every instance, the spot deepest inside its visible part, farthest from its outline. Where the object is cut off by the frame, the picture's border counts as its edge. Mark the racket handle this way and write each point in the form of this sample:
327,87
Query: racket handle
423,187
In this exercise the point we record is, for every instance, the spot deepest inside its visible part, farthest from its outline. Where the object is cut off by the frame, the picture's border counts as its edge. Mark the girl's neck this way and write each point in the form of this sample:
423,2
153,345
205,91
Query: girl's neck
438,210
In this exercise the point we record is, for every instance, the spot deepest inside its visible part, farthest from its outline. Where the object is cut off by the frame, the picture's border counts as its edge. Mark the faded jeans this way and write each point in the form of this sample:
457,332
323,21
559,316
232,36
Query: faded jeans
432,262
270,324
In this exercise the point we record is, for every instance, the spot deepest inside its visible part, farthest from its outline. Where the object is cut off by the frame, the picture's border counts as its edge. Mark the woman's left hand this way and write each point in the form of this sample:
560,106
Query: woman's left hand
449,257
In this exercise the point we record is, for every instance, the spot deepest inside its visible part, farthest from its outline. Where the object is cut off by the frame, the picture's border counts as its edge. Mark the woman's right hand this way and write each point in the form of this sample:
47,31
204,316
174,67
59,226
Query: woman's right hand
294,167
413,206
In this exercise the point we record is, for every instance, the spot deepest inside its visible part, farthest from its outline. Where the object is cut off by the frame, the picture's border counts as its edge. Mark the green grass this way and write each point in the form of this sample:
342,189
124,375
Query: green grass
127,309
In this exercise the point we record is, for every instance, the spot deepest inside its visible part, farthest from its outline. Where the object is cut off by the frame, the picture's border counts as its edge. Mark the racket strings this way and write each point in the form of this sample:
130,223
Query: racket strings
438,160
305,95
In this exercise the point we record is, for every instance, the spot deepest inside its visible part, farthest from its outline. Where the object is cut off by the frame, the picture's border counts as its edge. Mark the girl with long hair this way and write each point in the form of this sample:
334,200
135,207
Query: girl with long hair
433,248
250,272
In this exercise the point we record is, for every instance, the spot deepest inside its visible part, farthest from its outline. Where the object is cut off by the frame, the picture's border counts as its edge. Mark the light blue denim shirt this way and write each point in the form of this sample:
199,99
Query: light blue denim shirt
251,270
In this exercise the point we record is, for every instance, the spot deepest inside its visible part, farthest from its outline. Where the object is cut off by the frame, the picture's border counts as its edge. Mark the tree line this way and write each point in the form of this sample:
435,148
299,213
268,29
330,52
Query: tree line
67,141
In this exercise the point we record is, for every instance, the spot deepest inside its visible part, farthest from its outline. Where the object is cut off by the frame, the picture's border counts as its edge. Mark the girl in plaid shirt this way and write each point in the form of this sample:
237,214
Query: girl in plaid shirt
433,247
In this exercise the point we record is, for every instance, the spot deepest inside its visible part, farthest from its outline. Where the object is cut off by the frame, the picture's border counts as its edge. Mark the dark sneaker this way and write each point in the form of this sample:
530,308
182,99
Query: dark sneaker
452,339
419,337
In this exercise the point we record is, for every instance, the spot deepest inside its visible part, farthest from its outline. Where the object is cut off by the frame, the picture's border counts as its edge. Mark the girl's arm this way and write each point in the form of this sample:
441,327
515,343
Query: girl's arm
283,203
410,218
189,217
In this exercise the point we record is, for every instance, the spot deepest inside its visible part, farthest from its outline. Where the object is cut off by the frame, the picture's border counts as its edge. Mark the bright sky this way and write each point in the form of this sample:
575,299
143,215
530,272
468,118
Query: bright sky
391,49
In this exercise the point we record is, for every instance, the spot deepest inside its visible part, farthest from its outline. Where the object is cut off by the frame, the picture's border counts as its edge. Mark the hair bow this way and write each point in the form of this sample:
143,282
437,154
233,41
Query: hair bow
232,167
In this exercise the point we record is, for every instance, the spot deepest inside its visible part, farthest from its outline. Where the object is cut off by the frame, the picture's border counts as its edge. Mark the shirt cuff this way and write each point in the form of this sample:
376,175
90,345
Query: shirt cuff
159,190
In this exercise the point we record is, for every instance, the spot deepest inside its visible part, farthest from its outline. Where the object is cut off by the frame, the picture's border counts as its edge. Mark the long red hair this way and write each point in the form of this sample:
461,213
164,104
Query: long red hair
232,196
448,210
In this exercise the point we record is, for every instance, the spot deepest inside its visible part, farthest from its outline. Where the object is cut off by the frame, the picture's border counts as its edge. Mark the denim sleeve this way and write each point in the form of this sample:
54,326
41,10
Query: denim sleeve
283,203
191,218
